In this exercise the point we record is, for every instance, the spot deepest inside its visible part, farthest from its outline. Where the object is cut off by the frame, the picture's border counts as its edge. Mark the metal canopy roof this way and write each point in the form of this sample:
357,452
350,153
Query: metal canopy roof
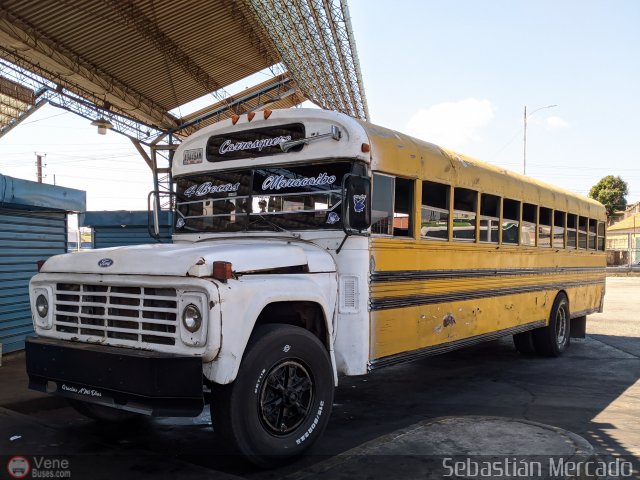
277,92
16,102
136,62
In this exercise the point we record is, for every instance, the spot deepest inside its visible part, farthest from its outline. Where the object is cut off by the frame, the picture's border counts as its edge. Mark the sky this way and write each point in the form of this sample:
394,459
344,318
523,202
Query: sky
458,73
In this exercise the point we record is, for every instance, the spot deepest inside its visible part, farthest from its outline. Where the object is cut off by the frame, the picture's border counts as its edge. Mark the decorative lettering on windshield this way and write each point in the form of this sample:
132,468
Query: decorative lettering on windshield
278,182
208,187
259,142
267,198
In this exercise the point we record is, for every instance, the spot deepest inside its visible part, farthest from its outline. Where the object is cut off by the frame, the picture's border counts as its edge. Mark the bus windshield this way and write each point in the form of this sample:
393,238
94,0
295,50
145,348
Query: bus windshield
262,198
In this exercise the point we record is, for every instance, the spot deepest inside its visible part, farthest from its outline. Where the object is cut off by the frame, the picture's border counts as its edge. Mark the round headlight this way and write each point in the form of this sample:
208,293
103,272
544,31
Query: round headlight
191,318
42,306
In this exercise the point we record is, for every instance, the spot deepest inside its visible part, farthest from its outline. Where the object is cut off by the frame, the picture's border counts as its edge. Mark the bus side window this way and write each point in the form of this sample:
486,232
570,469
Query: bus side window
435,211
544,227
392,206
572,226
582,232
593,240
382,204
403,208
559,219
464,214
510,221
601,236
489,218
529,221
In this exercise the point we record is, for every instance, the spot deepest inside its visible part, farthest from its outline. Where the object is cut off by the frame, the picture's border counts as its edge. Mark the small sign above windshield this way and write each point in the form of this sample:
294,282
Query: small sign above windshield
254,143
191,157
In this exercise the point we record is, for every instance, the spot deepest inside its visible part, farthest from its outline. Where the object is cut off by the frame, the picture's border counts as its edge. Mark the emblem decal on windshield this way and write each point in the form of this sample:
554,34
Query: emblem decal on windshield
333,218
105,262
359,203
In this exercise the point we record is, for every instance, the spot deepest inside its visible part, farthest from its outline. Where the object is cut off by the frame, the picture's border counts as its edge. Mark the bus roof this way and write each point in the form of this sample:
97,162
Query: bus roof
391,152
395,153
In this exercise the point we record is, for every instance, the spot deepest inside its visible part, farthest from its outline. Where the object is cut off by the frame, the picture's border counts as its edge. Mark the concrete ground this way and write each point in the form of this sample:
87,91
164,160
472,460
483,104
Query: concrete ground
383,425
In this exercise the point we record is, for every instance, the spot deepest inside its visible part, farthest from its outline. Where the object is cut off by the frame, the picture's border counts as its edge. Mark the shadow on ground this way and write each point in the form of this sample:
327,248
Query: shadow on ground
587,391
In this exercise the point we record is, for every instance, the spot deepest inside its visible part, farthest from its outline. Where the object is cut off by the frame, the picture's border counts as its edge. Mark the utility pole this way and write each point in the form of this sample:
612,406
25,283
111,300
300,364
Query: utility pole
39,167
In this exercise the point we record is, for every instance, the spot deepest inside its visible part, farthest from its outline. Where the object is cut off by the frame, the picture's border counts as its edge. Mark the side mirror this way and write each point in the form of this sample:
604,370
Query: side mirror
160,214
356,208
153,222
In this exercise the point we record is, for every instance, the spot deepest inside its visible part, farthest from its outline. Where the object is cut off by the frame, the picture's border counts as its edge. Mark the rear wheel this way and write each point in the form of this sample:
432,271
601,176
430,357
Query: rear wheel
281,400
102,413
524,343
554,339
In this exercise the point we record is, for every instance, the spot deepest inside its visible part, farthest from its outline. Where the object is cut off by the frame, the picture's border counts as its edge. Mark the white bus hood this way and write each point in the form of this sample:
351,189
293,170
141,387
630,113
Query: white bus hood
195,259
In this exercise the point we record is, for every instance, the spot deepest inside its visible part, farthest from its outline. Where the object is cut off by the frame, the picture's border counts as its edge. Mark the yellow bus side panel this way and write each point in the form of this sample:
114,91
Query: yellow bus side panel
419,300
400,330
411,328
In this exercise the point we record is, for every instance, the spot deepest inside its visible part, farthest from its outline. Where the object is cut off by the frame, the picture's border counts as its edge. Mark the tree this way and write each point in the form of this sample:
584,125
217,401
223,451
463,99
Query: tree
611,192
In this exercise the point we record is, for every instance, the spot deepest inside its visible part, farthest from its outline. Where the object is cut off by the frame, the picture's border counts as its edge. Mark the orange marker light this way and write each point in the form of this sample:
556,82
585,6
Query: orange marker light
250,115
366,148
267,113
235,118
222,271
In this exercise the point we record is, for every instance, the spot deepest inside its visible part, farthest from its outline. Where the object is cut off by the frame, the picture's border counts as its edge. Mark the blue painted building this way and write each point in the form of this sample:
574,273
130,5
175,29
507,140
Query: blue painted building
123,227
33,226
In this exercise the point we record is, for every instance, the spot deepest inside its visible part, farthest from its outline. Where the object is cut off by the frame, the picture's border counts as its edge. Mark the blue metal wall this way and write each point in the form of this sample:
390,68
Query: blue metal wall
114,229
33,226
25,238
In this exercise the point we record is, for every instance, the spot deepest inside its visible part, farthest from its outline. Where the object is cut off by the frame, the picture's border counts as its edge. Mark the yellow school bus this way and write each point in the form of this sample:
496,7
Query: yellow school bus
463,251
309,245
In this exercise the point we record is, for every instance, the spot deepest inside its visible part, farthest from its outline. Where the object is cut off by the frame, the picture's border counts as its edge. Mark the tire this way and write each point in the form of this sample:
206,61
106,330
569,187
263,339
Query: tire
103,414
280,402
524,343
552,340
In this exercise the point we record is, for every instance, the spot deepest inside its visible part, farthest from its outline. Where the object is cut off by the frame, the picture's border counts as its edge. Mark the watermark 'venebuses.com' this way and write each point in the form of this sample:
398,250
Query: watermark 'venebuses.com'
38,467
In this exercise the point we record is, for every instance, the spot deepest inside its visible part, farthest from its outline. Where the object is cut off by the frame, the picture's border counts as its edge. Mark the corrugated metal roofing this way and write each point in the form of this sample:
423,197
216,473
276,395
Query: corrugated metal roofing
277,92
15,102
167,53
144,58
25,193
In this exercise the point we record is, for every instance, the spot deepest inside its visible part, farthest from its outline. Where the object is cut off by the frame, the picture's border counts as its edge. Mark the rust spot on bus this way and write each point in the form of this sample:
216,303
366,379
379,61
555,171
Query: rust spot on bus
448,320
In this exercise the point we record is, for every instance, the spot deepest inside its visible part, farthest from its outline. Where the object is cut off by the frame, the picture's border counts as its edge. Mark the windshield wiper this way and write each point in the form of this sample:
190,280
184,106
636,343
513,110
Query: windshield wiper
335,133
277,227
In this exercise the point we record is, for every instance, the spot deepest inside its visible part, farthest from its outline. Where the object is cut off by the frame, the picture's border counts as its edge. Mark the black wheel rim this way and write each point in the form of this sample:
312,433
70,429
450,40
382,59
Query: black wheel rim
285,397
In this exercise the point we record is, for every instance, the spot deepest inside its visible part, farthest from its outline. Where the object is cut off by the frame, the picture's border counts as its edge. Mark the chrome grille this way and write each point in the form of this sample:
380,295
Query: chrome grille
126,315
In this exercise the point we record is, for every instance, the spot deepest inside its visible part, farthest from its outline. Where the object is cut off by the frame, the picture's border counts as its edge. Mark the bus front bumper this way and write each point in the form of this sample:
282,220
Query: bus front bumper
150,383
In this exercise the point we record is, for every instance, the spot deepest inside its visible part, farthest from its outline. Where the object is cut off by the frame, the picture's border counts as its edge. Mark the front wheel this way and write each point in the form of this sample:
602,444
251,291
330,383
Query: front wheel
281,400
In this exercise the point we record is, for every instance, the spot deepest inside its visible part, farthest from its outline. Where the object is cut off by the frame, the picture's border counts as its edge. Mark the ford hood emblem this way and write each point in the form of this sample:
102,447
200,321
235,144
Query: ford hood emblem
105,262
